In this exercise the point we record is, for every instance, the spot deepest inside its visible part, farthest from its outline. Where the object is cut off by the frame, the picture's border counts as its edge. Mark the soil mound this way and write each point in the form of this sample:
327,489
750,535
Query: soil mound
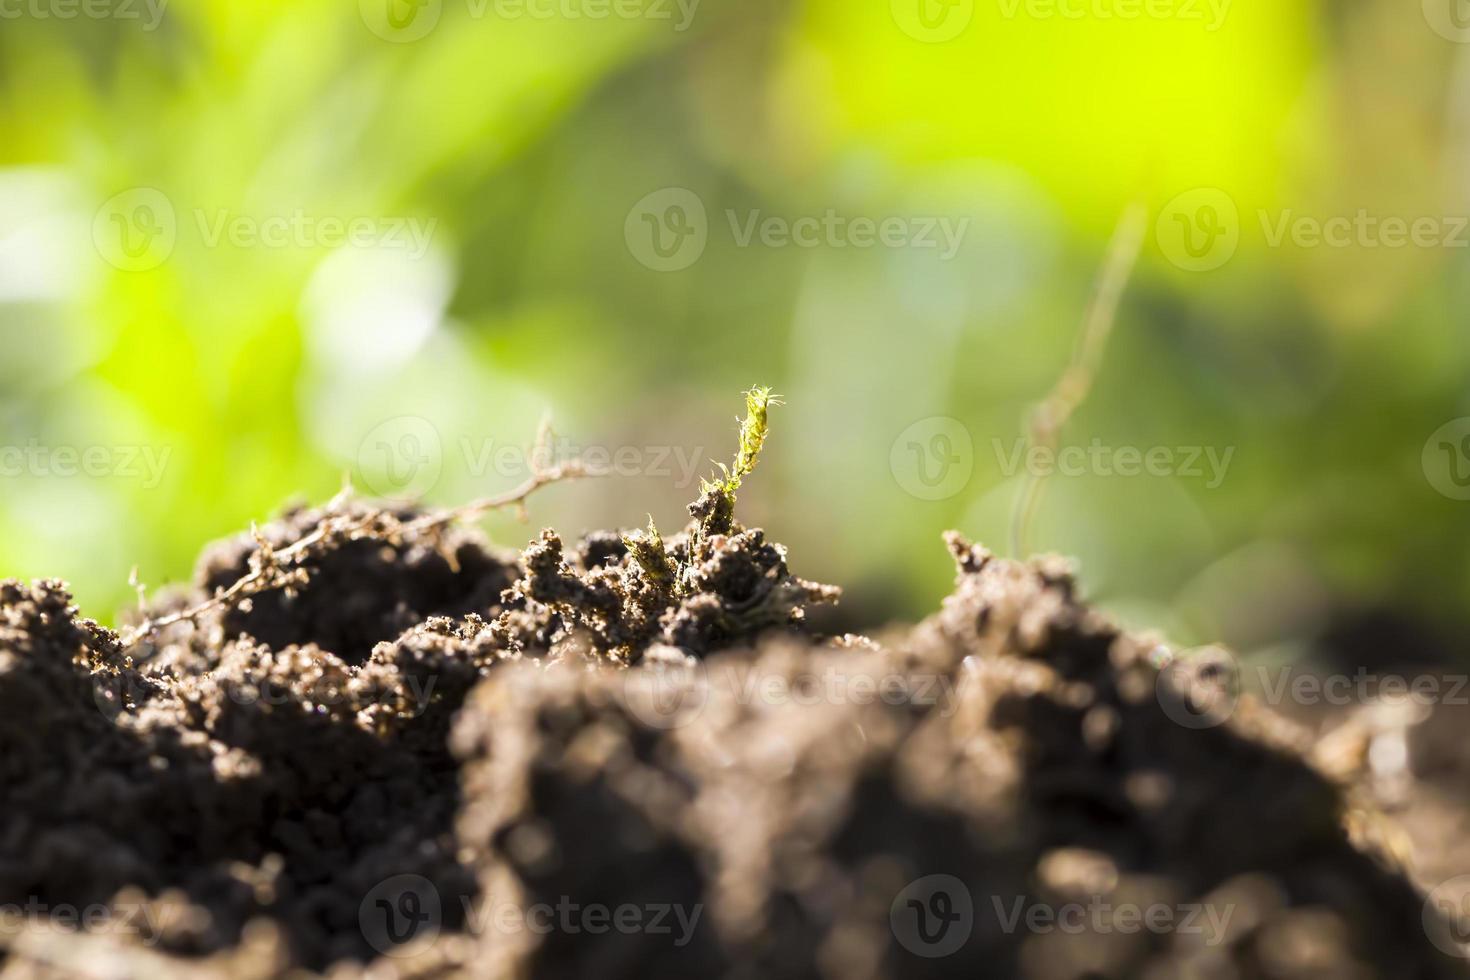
631,758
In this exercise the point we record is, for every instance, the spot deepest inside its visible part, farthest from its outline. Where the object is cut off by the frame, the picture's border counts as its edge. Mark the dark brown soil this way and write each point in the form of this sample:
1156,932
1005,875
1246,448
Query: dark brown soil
389,767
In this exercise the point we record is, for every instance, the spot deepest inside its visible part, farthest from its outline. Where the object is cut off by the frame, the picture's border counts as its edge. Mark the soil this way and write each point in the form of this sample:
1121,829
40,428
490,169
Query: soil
426,757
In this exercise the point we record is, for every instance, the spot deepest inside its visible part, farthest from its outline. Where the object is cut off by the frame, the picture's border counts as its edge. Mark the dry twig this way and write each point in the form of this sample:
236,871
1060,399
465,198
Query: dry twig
286,568
1048,418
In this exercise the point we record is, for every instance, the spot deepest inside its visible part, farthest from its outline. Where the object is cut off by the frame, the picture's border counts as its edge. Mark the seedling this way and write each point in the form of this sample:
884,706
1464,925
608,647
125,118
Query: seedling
713,583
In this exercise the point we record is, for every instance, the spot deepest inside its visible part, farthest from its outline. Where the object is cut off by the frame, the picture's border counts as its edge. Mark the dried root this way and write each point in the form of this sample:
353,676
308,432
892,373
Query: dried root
288,569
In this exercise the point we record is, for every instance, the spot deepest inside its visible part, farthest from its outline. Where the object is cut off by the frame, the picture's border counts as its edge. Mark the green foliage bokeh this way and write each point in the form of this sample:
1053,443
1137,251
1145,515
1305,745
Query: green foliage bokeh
519,141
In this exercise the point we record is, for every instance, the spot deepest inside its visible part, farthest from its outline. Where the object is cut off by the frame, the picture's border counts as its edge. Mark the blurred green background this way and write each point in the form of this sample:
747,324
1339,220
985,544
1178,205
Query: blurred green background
247,249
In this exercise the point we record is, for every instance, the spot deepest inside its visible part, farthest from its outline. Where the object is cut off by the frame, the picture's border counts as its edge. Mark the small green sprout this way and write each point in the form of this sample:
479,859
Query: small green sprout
647,549
753,431
712,583
716,505
714,511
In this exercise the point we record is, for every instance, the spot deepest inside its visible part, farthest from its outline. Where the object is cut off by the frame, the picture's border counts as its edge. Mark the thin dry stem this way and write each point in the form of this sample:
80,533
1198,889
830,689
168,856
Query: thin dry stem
1072,388
574,469
270,569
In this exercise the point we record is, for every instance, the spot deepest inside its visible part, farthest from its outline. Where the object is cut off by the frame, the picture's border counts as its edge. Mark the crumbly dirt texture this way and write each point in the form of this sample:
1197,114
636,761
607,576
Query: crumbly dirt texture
429,758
